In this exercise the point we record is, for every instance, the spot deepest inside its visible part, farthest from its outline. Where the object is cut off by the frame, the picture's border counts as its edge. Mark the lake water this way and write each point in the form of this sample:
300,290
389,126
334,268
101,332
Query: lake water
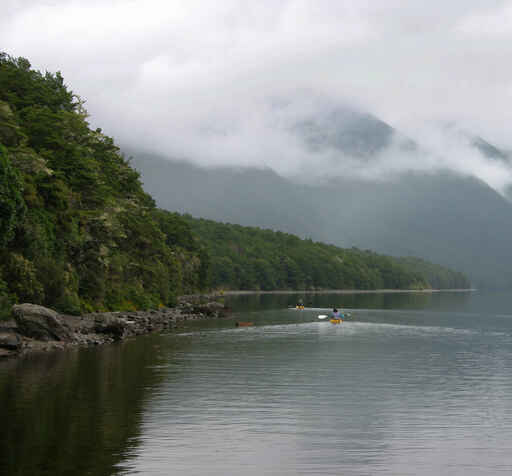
412,384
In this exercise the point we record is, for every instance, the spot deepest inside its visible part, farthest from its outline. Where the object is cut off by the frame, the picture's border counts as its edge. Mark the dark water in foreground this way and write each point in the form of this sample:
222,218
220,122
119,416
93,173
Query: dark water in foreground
411,385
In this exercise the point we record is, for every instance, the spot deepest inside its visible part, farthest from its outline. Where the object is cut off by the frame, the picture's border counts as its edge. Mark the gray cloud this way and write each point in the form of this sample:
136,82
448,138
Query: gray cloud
224,82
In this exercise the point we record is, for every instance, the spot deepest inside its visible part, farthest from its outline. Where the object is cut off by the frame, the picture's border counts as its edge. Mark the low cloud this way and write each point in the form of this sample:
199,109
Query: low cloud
227,82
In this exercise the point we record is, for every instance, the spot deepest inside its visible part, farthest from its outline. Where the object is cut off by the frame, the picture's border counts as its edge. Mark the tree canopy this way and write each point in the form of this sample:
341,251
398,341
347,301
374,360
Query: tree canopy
253,258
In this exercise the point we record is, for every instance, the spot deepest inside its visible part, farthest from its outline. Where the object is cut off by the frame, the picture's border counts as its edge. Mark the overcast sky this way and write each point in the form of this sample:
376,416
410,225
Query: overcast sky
201,79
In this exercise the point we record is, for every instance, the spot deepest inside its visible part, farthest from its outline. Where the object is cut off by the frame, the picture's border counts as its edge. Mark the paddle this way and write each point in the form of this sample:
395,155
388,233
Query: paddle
324,316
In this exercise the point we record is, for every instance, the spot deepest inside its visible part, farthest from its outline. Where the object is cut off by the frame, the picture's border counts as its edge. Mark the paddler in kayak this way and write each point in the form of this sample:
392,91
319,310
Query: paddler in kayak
336,317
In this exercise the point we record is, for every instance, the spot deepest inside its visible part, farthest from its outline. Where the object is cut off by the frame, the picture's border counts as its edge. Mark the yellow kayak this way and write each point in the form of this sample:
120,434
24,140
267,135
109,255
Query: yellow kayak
336,321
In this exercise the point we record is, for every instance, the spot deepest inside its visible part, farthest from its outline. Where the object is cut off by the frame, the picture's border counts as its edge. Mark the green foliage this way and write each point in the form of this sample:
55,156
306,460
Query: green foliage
77,230
6,301
12,206
10,132
21,86
176,230
60,284
438,277
22,279
252,258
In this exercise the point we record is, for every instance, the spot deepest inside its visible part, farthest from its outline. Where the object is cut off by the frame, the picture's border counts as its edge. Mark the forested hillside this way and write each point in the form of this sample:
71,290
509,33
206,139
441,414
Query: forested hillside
252,258
77,232
455,220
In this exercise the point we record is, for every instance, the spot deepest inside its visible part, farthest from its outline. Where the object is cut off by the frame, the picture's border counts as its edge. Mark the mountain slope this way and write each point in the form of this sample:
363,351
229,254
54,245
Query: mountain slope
450,219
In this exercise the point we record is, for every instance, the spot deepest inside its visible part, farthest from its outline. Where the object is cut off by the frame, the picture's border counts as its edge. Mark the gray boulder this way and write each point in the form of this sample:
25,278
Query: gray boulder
10,341
112,325
40,323
210,309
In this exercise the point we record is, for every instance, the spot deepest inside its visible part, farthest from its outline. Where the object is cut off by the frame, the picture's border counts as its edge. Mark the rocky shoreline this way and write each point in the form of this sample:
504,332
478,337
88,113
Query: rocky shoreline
36,328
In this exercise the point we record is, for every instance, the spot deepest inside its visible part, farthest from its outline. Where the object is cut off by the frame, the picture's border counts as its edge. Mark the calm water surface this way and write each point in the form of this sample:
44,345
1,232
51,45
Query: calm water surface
411,385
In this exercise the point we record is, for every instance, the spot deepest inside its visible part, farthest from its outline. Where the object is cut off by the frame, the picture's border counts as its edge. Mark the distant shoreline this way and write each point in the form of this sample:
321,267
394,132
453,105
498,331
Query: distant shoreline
345,291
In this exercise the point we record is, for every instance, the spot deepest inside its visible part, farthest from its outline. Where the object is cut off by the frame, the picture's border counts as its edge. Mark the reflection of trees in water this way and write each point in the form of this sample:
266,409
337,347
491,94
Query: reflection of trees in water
352,301
75,412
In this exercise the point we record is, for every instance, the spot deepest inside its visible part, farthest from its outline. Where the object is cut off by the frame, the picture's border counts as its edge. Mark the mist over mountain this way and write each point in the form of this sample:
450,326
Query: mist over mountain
384,192
347,131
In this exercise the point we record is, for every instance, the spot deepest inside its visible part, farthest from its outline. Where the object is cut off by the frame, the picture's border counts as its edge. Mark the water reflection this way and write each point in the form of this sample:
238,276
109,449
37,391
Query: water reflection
433,301
408,392
75,412
414,384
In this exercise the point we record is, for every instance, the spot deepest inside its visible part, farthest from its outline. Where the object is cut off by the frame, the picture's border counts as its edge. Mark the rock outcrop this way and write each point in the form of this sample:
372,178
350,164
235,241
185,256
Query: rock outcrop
39,328
40,323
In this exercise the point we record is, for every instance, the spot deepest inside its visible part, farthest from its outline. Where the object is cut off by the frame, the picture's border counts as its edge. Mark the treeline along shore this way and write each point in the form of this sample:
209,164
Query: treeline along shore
250,258
79,235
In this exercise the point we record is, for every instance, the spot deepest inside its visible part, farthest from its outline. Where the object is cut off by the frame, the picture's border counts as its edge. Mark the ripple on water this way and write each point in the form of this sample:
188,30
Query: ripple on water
316,398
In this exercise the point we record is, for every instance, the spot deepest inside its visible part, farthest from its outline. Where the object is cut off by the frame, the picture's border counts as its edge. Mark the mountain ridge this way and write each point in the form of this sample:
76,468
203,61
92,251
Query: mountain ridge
446,217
